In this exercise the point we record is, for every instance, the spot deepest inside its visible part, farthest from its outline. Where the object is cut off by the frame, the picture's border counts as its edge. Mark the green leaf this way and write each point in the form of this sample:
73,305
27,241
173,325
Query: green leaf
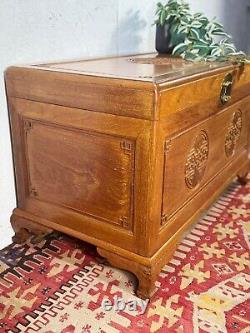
230,48
163,17
180,48
196,24
218,25
182,29
185,19
203,42
216,52
176,38
195,33
220,33
204,52
201,47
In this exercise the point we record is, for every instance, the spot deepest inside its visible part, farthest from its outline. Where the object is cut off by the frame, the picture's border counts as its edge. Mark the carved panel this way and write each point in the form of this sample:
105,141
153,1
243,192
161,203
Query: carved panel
233,133
85,172
197,160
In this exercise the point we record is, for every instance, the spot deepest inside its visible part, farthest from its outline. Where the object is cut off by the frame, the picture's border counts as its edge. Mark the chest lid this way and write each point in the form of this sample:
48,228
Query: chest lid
147,67
137,86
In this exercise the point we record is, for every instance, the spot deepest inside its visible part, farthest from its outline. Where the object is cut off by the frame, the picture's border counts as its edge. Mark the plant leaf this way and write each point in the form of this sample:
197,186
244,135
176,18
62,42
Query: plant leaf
163,17
180,48
195,33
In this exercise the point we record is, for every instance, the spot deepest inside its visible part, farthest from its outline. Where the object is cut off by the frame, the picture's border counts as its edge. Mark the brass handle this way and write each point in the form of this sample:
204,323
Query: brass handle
226,98
226,89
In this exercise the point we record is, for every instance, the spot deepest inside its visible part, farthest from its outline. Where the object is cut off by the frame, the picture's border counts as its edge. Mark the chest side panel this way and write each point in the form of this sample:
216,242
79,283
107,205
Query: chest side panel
86,172
82,170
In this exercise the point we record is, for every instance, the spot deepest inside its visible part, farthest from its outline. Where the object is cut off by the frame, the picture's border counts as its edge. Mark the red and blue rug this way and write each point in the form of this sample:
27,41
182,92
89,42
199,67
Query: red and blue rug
59,285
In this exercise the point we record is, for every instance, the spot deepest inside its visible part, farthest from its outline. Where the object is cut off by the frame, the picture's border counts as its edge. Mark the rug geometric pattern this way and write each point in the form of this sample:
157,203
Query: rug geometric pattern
59,284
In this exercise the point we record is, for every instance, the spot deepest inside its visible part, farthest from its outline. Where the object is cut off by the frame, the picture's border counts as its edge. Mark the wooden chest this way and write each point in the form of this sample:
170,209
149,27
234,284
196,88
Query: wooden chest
127,152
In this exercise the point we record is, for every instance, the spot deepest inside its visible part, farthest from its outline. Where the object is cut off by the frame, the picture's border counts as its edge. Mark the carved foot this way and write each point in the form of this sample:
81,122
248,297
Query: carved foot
102,261
25,228
21,236
145,274
242,179
146,283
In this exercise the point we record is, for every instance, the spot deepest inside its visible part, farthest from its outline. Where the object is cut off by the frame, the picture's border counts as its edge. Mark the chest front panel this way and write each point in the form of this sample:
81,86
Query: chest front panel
196,156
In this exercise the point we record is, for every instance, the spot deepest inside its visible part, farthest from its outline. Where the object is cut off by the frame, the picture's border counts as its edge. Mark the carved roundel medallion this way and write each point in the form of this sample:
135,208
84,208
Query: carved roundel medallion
197,160
233,133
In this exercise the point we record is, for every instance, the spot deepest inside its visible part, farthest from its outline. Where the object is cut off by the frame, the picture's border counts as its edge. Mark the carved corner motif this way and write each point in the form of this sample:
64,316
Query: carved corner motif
127,147
124,222
196,161
233,133
27,125
33,192
164,219
167,146
146,271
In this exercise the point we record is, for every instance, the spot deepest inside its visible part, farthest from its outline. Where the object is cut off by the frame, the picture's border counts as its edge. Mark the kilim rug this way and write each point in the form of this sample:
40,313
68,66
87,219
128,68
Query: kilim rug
59,284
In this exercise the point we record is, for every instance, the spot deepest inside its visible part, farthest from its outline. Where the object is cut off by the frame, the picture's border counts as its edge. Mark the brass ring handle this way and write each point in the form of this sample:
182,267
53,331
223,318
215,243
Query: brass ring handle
226,89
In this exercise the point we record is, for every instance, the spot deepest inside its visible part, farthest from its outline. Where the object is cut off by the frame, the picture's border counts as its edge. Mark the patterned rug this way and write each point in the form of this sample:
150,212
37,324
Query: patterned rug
60,284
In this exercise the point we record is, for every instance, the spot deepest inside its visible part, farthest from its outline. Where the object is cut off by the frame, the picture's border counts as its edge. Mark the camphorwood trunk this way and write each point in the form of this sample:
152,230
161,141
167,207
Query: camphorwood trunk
127,152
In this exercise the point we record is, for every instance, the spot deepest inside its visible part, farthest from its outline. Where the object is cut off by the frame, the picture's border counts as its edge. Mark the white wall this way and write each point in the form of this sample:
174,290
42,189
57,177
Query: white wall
35,30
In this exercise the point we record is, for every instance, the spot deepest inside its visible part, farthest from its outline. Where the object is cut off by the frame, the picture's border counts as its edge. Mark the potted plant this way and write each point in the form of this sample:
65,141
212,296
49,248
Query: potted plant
169,16
192,36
